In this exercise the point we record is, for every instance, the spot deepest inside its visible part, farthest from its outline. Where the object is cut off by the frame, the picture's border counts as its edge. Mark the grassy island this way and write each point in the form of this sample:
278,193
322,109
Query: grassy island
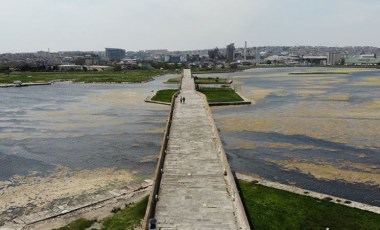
209,80
133,76
212,94
164,95
220,95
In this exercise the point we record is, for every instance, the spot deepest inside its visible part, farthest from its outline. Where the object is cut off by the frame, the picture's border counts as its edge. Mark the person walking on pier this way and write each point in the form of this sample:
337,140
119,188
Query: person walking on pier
183,100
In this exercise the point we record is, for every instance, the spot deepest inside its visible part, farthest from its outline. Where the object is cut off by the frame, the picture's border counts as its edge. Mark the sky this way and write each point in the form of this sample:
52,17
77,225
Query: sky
92,25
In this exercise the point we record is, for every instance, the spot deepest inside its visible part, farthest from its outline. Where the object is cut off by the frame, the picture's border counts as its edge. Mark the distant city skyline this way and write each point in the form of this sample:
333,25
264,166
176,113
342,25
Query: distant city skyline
92,25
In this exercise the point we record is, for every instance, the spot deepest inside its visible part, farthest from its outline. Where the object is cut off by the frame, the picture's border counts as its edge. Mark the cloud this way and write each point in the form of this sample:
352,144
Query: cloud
180,25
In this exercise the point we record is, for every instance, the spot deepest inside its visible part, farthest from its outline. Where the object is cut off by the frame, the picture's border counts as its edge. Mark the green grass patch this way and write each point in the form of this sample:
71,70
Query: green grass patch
128,218
211,81
80,224
164,95
135,76
270,208
175,80
220,94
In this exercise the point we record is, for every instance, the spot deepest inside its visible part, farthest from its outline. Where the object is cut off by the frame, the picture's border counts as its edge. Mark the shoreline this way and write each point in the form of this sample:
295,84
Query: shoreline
102,209
99,209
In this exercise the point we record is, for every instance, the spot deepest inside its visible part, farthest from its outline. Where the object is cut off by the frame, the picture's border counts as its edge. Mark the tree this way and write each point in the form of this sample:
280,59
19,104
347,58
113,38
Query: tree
342,61
117,68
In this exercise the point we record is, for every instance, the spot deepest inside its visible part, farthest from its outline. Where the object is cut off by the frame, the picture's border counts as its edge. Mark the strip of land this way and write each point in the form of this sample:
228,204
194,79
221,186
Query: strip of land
135,76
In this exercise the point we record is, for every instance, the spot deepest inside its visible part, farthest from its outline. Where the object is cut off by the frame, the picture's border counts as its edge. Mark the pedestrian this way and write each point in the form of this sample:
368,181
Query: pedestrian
183,99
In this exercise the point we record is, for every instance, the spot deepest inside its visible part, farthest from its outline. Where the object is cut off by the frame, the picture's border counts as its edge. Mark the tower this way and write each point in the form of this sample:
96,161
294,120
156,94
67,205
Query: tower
245,51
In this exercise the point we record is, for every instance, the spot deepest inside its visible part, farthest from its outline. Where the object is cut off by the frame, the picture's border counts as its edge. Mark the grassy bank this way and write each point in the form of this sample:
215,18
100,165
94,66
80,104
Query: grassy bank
135,76
164,95
270,208
267,209
128,218
220,95
78,225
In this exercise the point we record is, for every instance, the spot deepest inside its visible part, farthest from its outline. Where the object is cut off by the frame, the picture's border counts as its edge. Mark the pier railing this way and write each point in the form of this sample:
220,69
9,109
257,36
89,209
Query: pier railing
241,216
153,198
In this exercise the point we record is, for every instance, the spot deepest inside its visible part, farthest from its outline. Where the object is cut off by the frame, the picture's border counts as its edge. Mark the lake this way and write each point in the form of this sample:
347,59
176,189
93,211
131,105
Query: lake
62,142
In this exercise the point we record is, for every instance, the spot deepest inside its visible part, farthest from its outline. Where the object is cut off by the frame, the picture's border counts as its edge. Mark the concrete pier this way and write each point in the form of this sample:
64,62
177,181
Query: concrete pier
196,189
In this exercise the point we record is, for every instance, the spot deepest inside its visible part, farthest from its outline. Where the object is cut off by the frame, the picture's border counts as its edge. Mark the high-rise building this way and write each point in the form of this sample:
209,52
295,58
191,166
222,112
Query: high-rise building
245,51
115,54
332,58
230,52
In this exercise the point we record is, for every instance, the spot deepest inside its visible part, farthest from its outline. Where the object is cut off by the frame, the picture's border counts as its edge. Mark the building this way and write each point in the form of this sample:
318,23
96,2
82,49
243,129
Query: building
113,54
91,60
314,60
333,58
230,52
175,59
214,54
362,61
368,56
70,68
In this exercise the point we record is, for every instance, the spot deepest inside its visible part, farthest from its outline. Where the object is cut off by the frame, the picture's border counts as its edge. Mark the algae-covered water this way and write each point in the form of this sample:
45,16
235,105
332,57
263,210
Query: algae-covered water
62,142
66,141
318,132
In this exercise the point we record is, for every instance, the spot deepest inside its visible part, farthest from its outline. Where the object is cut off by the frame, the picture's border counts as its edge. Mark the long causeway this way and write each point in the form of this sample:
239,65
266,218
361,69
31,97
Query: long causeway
196,189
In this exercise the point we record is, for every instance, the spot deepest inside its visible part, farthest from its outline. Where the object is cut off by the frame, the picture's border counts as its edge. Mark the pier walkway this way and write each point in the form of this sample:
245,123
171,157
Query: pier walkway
196,189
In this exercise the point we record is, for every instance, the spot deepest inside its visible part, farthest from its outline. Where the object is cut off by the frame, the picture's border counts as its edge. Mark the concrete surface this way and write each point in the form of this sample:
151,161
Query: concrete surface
193,192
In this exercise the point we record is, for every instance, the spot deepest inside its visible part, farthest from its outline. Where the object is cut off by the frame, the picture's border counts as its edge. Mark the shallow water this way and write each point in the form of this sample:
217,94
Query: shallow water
61,135
319,132
79,126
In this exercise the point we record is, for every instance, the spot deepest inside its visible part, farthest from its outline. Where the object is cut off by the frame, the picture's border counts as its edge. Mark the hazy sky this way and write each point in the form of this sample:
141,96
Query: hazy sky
32,25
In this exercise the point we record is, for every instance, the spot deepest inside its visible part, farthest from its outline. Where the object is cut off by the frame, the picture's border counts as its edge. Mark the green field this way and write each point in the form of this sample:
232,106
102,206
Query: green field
164,95
270,208
128,218
134,76
220,95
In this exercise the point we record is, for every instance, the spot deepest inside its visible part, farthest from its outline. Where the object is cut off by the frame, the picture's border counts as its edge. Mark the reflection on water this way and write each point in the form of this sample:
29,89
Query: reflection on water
58,137
320,132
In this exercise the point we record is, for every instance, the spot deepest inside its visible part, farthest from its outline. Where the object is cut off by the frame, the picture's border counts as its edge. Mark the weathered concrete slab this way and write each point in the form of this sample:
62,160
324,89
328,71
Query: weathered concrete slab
193,192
